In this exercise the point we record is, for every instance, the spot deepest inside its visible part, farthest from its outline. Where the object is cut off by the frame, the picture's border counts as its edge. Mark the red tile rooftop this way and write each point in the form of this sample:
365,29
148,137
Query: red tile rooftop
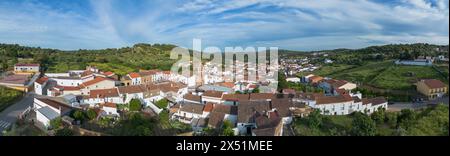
68,88
433,83
103,93
94,81
108,73
134,75
208,107
42,80
111,105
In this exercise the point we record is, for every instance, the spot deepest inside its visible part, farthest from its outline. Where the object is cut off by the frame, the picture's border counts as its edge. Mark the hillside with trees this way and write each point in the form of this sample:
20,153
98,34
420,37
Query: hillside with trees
432,121
120,61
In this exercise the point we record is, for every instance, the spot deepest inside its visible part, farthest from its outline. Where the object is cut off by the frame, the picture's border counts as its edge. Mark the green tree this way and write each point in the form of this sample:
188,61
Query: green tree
363,125
315,119
56,123
64,132
282,83
91,114
163,103
4,64
137,125
207,131
104,122
135,105
391,119
227,128
406,118
378,116
79,115
256,90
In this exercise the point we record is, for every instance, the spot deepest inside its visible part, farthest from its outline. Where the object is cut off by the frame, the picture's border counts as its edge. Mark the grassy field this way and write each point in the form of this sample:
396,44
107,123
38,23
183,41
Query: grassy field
329,69
403,77
382,74
8,96
364,73
66,66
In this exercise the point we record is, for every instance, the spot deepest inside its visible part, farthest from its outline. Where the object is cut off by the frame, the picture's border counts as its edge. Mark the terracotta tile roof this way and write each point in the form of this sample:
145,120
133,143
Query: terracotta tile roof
341,91
236,97
264,121
68,88
192,97
42,80
227,84
57,105
192,108
208,107
86,73
102,93
282,106
261,96
169,87
374,101
134,75
26,65
112,105
249,110
227,109
108,73
94,81
131,89
433,83
212,93
216,119
147,73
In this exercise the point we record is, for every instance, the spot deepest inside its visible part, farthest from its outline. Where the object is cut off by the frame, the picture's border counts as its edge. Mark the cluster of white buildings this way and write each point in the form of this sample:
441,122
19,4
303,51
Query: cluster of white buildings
262,114
294,66
209,104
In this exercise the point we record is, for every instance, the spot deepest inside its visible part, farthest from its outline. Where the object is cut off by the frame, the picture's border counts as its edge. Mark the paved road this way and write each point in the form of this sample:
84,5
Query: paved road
10,114
404,105
398,106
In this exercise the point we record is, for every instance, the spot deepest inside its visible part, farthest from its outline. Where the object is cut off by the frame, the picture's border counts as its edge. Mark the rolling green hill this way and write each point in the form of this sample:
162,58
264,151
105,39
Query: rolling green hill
120,61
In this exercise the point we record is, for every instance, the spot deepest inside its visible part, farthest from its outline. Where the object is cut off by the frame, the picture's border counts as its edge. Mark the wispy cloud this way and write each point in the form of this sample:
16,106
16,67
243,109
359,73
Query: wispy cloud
292,24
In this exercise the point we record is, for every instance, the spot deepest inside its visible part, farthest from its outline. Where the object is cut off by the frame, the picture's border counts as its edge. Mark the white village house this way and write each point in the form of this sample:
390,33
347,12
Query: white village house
47,110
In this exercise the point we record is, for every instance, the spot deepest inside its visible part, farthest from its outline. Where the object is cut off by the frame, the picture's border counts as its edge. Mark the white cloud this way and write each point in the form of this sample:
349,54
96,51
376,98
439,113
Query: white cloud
285,23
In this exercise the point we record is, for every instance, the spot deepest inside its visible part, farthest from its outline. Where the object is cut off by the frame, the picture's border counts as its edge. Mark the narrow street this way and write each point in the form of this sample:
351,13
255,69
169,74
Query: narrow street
10,114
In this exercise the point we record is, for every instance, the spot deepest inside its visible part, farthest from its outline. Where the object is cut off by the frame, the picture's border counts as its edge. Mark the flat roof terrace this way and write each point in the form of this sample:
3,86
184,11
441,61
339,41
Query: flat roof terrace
15,79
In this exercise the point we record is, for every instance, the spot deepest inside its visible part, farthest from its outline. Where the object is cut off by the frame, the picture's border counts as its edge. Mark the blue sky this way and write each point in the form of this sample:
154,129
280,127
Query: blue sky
287,24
